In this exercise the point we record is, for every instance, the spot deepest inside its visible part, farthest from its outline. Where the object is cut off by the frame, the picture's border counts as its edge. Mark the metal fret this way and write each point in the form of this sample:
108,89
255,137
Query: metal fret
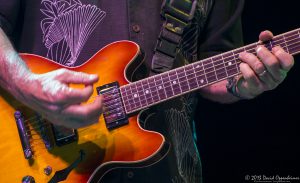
186,78
147,92
167,85
174,82
141,94
287,48
153,90
191,77
160,87
125,101
196,75
209,70
134,95
219,67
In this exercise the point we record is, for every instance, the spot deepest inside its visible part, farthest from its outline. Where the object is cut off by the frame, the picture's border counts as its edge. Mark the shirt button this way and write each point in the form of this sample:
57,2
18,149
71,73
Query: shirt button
130,174
136,28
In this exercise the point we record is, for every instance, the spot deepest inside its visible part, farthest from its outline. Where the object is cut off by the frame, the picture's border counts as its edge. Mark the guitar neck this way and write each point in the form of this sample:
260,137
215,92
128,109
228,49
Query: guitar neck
156,89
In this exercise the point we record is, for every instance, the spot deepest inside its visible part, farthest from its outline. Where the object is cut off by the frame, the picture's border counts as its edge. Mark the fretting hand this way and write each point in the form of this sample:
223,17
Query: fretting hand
264,71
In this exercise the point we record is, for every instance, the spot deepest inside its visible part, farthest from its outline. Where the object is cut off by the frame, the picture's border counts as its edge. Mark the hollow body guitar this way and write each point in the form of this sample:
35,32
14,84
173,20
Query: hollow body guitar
117,140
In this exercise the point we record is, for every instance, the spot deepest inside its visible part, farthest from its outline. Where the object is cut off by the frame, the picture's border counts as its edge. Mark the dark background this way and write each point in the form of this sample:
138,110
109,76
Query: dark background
259,136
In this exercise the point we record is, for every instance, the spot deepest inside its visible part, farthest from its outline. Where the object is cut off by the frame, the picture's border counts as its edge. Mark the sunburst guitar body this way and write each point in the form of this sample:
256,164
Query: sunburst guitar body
97,149
117,140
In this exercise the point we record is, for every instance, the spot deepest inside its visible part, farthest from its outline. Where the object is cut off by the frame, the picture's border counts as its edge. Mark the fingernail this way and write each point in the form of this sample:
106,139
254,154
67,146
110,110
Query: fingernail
258,48
242,54
93,76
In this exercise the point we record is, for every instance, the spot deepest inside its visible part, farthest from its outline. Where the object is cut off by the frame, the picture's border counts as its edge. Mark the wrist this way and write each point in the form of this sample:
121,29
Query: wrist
234,88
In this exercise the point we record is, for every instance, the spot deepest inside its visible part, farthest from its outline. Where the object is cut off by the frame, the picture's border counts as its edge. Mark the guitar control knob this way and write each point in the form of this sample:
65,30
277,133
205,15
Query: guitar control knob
28,179
48,170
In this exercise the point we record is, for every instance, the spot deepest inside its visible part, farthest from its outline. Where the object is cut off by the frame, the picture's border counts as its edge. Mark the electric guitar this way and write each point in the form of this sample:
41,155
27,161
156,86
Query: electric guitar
31,148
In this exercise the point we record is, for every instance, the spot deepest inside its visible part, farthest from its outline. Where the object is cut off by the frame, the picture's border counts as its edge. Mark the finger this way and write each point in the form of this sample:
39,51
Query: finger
268,81
249,75
265,35
270,61
285,59
85,113
68,76
253,62
71,96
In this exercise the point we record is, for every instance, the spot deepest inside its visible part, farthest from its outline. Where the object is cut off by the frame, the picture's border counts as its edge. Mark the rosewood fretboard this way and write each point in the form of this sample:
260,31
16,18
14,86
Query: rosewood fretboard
161,87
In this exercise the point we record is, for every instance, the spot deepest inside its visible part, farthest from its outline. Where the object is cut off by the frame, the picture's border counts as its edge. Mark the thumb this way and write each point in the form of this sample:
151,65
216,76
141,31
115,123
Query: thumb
67,76
265,36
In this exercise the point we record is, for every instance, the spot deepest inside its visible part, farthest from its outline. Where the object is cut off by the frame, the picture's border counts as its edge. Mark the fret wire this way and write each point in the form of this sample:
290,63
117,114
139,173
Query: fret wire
141,92
155,84
285,44
166,83
137,93
175,83
206,80
153,90
184,71
193,73
126,101
236,54
133,93
227,73
132,99
163,87
170,83
149,90
274,41
146,90
178,81
221,73
214,68
231,56
224,66
183,80
129,103
237,68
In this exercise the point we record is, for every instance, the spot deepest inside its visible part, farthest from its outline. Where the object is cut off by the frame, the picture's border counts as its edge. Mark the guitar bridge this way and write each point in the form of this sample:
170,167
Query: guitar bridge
114,112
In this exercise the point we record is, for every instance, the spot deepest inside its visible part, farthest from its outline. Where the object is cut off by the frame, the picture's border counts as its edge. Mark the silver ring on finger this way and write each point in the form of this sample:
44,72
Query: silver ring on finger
262,74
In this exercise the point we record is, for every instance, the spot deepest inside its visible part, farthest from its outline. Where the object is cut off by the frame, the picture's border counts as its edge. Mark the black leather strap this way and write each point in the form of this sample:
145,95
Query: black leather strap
177,15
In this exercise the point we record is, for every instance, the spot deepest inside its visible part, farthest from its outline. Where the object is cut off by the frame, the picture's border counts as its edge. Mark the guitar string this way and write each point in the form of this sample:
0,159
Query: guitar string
87,102
282,38
232,56
136,102
32,139
250,50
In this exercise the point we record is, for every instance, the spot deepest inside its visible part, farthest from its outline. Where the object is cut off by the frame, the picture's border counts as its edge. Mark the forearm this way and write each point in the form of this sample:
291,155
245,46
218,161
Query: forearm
12,67
218,93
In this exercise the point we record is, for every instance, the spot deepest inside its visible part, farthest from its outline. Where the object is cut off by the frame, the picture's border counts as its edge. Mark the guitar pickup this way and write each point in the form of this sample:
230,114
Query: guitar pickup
113,109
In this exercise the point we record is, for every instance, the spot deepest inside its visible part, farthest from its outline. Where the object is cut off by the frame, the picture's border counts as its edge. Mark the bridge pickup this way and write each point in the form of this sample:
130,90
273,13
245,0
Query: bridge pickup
24,136
114,113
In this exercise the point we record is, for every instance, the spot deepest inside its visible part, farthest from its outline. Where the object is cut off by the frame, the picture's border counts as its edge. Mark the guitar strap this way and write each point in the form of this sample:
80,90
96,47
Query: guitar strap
177,16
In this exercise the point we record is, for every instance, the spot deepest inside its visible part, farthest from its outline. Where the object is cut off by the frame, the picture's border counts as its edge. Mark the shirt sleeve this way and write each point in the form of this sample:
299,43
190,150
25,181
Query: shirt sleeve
223,30
9,11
